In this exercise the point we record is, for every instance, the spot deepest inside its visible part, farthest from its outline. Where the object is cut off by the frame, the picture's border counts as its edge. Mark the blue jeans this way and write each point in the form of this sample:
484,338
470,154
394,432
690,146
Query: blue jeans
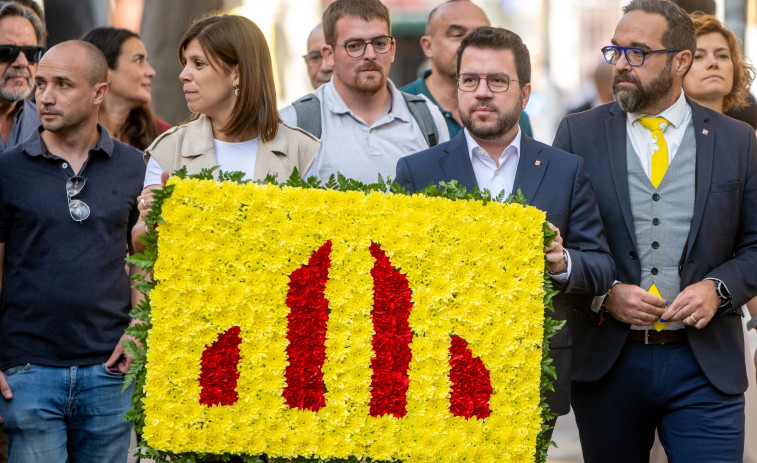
66,415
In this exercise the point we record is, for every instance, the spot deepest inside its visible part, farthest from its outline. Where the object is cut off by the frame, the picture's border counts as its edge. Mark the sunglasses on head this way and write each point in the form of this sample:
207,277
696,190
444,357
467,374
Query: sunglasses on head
9,53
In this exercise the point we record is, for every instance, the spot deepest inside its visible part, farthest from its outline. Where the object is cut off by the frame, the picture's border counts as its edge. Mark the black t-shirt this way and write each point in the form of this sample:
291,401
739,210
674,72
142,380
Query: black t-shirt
65,293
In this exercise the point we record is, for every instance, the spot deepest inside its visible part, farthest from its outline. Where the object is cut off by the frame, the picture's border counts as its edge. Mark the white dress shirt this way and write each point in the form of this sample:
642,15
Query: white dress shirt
499,178
679,116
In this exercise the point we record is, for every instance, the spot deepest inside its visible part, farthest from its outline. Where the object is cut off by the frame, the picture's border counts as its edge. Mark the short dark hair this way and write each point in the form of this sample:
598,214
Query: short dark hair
96,68
498,38
9,9
679,34
231,40
363,9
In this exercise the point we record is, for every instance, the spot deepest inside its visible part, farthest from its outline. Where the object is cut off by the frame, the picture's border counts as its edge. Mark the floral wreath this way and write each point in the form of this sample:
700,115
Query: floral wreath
274,327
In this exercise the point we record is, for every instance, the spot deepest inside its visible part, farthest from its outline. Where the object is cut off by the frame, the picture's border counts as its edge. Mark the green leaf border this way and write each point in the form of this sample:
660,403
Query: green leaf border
146,260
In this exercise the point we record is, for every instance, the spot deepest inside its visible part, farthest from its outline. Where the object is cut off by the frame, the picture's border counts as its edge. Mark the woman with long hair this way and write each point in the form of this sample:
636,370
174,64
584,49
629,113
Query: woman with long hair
126,112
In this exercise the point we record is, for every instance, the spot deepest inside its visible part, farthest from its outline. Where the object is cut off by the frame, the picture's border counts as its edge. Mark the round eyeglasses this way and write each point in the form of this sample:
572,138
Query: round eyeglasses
355,48
77,208
634,56
497,83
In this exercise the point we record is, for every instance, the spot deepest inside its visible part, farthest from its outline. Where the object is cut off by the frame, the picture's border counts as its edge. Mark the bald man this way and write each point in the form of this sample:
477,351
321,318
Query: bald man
446,27
67,204
319,70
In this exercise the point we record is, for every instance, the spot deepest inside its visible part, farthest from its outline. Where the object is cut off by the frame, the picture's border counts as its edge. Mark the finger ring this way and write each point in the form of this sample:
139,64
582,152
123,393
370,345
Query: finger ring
147,229
693,319
142,202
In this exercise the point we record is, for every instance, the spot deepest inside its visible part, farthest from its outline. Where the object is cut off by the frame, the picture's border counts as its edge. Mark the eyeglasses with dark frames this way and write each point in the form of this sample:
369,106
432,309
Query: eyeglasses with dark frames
497,82
76,207
356,47
9,53
634,56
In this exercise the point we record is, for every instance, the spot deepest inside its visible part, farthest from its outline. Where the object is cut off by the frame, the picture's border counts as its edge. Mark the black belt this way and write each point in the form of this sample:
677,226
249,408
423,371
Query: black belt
658,337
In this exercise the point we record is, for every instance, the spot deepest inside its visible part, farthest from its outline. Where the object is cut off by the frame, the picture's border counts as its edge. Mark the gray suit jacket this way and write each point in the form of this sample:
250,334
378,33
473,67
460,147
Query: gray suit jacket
722,241
555,182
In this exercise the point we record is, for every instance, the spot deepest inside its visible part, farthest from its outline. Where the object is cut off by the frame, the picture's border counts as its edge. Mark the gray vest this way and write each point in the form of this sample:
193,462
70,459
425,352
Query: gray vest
662,215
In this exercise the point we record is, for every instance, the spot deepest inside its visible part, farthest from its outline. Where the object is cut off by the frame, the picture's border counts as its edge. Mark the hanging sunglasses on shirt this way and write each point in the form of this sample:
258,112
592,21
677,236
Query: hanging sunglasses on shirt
9,53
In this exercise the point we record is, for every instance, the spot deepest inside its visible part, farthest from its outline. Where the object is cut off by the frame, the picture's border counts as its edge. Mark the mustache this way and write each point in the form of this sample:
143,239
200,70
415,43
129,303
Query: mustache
369,66
15,72
625,75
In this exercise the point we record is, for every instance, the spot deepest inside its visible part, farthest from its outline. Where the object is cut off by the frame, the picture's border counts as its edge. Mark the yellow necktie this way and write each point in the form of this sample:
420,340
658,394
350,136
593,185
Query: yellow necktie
659,157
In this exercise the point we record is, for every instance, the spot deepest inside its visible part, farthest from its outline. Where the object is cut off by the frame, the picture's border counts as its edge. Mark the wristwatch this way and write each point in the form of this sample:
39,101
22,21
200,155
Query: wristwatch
723,294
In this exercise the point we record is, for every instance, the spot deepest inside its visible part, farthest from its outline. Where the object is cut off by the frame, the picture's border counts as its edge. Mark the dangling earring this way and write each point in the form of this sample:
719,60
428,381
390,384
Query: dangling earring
236,89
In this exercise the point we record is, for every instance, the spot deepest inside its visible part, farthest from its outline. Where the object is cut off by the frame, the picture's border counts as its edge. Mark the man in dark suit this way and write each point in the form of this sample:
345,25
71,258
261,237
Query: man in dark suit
665,350
492,153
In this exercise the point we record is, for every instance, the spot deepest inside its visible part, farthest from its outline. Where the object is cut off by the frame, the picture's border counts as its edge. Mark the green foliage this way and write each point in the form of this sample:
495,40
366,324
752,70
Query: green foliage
451,190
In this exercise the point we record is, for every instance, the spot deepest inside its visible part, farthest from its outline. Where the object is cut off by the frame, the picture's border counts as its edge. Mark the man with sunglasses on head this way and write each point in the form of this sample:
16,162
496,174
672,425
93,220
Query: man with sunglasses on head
677,190
67,205
21,32
364,122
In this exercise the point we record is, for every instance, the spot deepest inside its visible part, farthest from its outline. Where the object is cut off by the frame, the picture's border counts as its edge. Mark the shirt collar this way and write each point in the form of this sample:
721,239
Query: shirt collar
334,102
475,150
674,114
35,145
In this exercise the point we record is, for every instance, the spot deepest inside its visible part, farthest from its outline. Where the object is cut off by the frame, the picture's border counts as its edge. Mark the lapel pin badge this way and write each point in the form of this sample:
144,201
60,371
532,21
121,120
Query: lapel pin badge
705,131
538,163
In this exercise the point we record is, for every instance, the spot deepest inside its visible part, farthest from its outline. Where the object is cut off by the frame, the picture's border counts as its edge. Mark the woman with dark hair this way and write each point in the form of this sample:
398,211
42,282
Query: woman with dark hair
126,110
229,86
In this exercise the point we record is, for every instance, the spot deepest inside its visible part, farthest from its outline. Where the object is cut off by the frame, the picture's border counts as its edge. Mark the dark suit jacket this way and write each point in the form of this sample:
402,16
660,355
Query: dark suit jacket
722,241
558,185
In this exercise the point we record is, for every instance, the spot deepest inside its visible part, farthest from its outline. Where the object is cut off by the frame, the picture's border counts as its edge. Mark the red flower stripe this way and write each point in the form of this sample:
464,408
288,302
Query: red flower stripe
391,339
306,332
471,386
218,370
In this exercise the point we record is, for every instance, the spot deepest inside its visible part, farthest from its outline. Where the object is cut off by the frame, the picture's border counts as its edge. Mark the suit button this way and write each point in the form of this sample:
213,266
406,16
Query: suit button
655,271
632,255
655,197
655,221
655,245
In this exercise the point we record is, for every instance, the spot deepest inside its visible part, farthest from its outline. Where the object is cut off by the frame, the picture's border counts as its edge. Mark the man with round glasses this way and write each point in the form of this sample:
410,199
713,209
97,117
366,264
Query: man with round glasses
68,201
676,184
21,32
492,153
446,27
364,122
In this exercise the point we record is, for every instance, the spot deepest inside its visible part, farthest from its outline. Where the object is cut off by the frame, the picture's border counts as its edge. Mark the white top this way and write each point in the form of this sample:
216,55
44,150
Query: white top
360,151
679,116
239,156
489,176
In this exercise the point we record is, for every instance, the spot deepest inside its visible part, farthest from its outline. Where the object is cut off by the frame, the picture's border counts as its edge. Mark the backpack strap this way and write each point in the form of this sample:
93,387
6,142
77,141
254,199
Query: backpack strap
308,110
419,109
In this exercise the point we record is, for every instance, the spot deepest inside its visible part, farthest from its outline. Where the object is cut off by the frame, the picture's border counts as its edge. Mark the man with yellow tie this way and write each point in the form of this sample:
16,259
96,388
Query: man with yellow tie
677,190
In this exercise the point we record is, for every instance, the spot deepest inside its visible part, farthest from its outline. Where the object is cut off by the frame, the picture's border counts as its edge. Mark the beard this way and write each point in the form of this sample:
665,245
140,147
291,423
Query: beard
635,100
504,123
14,92
370,86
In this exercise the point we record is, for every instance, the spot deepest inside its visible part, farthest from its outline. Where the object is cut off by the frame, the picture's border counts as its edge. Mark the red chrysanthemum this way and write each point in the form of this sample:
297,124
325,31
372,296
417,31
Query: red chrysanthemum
471,386
392,302
306,332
